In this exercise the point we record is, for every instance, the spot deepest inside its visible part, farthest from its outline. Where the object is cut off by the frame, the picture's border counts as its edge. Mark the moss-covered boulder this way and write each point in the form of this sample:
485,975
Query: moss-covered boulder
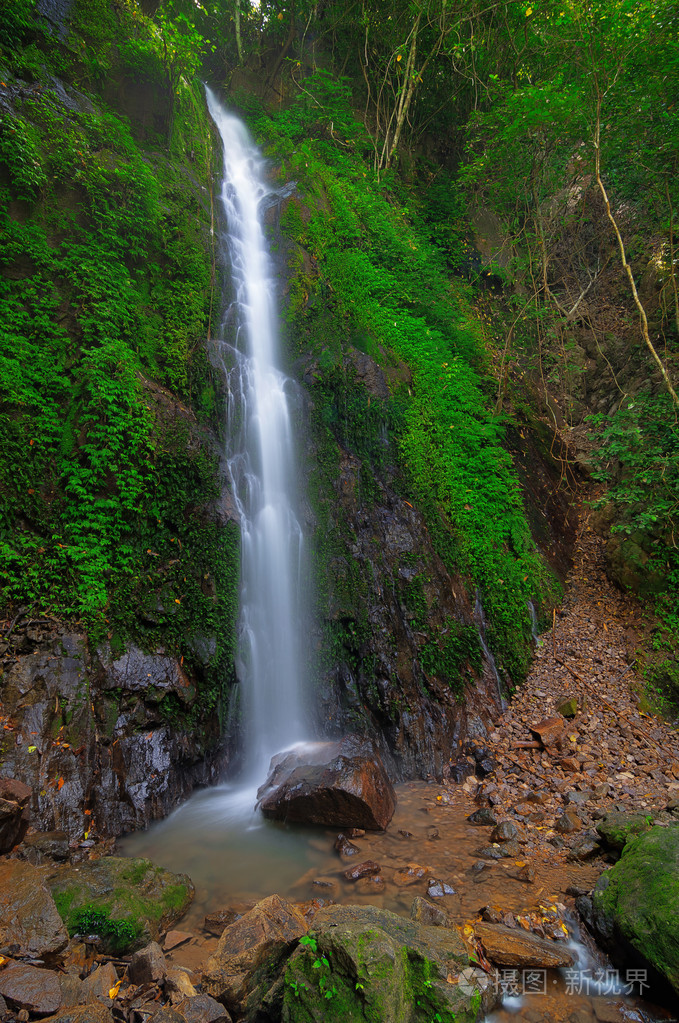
635,905
617,828
127,903
363,963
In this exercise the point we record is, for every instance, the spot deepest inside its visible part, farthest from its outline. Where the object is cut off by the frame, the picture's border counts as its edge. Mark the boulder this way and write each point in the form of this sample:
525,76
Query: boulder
28,987
127,902
334,784
95,1012
251,953
635,905
30,924
509,946
368,964
617,828
203,1009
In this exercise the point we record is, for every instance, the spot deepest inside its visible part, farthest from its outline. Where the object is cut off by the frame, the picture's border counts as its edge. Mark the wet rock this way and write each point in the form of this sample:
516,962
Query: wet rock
617,828
175,939
635,905
504,832
344,847
484,816
46,847
436,888
585,848
203,1009
216,923
409,874
462,770
178,985
371,974
11,824
251,952
491,852
423,912
29,922
30,988
567,706
526,873
577,798
71,990
507,946
149,897
119,760
366,869
549,730
333,784
93,1013
98,984
372,885
570,764
492,915
147,966
568,822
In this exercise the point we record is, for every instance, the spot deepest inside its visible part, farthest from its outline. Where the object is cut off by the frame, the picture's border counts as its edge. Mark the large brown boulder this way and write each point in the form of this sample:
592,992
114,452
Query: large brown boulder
251,952
28,987
335,784
29,922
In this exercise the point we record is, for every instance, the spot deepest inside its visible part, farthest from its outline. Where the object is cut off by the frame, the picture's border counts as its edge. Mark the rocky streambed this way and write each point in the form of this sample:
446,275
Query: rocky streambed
476,892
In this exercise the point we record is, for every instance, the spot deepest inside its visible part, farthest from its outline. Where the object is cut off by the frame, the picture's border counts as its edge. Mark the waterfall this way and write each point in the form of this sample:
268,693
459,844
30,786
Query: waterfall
261,463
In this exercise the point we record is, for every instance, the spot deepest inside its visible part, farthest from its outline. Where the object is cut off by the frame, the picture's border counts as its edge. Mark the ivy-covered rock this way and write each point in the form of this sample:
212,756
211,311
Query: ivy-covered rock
363,963
127,903
635,905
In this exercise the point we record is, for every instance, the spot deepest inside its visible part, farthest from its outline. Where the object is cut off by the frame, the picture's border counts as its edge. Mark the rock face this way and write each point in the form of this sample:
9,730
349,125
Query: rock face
510,946
634,910
29,922
250,954
375,965
87,732
126,902
334,784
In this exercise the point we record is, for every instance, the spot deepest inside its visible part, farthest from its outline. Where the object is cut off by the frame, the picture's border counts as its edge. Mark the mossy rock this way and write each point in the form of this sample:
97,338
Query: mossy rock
366,964
636,904
617,828
126,902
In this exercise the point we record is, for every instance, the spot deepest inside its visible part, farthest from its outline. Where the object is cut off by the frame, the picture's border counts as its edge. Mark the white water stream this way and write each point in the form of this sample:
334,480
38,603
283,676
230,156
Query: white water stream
261,465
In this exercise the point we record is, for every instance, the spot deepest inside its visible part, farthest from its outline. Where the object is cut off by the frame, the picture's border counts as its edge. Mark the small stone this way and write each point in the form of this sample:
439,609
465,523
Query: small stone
483,817
173,939
570,764
577,798
365,869
100,982
344,847
147,966
567,706
492,915
370,885
436,888
549,730
409,874
568,823
526,873
504,832
585,848
434,834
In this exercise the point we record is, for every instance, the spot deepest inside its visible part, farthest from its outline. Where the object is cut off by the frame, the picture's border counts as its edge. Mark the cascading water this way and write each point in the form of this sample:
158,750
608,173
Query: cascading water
261,465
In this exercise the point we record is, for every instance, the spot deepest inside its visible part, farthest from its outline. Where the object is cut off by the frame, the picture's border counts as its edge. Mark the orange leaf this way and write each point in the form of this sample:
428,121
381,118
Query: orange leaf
60,784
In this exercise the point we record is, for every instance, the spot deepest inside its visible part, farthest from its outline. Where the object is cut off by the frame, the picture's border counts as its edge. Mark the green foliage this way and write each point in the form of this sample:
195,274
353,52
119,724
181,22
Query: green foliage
118,935
105,386
379,274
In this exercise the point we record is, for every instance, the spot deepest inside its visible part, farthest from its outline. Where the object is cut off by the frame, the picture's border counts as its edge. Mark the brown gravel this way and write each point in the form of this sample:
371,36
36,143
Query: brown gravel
609,756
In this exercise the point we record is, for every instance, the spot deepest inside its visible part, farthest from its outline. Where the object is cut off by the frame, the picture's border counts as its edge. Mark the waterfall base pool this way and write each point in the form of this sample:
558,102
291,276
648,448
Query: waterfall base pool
235,857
